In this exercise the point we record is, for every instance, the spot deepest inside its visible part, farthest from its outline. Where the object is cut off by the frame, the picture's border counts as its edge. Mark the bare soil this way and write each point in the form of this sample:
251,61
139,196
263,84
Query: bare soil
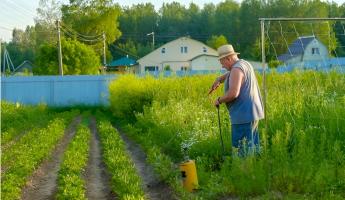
97,178
42,185
154,188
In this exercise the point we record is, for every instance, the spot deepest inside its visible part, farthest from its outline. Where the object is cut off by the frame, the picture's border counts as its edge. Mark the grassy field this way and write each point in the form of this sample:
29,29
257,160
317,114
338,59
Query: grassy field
302,147
302,143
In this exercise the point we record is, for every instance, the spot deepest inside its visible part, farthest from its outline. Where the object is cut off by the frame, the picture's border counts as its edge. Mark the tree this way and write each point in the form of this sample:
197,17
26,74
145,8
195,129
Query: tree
77,59
195,23
339,28
226,19
123,49
207,15
92,18
137,21
22,46
250,12
85,19
172,22
48,12
217,41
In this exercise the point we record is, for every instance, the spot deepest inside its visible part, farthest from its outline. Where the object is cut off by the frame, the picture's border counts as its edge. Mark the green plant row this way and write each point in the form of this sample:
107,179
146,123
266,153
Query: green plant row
17,119
125,181
20,161
71,183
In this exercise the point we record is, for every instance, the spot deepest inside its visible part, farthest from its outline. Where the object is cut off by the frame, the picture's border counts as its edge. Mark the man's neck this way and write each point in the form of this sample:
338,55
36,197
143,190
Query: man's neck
235,61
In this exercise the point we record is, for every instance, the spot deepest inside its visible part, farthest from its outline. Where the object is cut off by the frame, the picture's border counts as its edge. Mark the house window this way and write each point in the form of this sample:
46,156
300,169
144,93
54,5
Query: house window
184,68
184,49
163,50
151,68
315,51
204,49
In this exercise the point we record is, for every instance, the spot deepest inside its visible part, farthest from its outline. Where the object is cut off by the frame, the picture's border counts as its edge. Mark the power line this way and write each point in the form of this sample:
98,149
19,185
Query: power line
4,28
124,51
22,8
79,34
15,18
80,38
11,30
12,9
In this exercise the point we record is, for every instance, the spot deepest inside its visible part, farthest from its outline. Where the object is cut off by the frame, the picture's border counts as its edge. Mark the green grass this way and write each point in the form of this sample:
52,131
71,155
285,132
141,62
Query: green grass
303,148
20,161
17,119
125,181
71,183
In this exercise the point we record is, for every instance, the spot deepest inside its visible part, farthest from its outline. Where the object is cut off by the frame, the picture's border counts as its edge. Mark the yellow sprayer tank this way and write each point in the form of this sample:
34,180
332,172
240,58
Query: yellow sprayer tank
189,175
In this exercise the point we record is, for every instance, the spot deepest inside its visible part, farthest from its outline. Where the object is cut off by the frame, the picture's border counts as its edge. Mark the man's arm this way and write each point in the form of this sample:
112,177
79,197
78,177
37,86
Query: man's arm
217,82
222,78
236,79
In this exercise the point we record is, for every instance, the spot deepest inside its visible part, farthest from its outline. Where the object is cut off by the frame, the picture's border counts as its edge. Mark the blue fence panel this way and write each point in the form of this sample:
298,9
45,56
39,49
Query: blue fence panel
327,65
56,90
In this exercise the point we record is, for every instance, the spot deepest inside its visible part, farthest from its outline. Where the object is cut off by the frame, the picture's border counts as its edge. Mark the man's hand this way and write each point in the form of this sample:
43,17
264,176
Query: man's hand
217,102
215,85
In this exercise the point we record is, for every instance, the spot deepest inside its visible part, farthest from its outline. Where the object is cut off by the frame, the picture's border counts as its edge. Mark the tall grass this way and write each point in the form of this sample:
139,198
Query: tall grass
302,148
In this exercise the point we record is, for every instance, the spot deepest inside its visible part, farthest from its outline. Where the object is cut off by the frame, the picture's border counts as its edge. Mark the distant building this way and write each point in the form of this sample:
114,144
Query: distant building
305,49
24,69
309,53
182,54
123,65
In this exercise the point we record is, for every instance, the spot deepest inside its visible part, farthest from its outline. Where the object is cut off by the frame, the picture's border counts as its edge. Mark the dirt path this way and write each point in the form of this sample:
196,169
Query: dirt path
42,184
153,187
97,179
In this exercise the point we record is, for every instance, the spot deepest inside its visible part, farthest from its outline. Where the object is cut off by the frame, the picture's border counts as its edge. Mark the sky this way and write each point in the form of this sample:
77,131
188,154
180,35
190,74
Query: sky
20,13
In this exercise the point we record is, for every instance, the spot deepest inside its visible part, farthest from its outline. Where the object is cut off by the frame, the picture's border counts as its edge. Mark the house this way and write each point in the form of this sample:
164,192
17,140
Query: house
182,54
305,49
309,53
123,65
24,69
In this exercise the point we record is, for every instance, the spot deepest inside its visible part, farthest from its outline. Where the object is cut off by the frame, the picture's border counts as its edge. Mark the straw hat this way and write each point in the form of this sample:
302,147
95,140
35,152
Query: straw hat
226,50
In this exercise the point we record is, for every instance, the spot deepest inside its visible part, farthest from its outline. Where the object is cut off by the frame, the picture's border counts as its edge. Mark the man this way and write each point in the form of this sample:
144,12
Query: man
242,98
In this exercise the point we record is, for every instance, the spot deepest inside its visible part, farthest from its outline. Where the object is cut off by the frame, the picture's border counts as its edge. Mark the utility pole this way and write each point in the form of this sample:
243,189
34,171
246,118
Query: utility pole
104,54
60,52
263,57
153,39
2,72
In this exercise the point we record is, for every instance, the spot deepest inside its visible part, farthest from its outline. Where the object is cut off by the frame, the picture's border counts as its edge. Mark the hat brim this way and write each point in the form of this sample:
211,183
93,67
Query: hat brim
225,55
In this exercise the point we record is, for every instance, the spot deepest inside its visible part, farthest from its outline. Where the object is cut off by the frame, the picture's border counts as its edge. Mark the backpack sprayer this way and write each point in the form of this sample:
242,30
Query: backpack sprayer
189,175
220,132
188,168
214,87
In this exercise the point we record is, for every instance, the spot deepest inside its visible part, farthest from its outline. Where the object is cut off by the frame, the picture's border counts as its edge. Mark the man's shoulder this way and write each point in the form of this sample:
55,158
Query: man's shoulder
245,63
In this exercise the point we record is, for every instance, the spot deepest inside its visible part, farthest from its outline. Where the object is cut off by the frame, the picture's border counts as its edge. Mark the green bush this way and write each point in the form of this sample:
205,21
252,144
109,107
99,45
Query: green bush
129,95
77,59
